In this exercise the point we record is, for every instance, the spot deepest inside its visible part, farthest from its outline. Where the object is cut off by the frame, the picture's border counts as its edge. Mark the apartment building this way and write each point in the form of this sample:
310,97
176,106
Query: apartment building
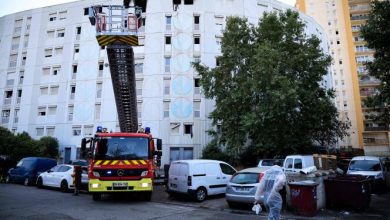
343,19
55,80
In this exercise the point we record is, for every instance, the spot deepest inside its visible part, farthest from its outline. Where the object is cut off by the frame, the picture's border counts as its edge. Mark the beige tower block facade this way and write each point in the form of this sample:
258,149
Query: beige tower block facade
333,16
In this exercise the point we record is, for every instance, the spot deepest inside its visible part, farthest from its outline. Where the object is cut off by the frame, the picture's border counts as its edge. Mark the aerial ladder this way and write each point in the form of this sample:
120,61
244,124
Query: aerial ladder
117,29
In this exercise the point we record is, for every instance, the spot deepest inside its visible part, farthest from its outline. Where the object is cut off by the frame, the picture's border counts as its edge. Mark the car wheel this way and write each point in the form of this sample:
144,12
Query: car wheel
8,179
64,186
97,196
200,194
39,182
26,181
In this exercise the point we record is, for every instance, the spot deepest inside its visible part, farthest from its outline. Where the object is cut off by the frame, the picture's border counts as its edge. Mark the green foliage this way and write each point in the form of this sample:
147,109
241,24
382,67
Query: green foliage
267,88
377,34
22,145
214,152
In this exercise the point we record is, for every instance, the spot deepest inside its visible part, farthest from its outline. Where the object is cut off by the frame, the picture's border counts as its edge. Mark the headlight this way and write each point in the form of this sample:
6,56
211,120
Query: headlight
144,173
145,185
95,185
96,174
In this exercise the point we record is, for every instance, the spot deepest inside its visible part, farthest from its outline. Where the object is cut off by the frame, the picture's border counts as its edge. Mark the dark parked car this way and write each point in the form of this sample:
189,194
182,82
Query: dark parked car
28,169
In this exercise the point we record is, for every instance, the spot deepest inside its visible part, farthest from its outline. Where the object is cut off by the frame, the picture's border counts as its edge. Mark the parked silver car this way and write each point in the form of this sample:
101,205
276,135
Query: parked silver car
371,167
242,186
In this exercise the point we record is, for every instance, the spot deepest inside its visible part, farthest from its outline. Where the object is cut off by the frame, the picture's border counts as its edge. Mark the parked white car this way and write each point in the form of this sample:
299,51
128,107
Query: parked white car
370,167
60,176
199,178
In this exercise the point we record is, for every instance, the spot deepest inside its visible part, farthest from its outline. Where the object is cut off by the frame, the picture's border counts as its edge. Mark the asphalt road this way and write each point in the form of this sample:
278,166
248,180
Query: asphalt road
21,202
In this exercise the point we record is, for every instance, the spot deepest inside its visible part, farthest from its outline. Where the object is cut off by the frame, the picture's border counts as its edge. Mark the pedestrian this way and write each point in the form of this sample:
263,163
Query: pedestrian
76,179
272,182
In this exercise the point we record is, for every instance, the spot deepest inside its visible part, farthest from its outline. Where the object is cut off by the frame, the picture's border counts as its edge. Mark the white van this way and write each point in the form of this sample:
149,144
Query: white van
199,178
295,163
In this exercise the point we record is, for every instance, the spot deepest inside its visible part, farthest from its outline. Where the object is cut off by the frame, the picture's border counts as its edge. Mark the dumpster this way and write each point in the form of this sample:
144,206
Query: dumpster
304,197
349,191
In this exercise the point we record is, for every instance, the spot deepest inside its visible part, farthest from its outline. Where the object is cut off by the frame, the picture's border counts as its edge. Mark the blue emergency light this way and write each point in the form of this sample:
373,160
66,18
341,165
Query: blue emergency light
99,129
147,130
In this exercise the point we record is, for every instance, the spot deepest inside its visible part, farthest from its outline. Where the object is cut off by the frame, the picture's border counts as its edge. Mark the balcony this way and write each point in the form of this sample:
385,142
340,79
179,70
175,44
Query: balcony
375,141
7,101
369,82
378,128
17,31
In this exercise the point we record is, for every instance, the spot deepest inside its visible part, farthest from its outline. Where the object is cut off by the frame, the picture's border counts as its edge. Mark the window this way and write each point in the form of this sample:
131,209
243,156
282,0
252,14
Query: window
42,111
298,164
196,22
338,42
62,15
168,22
39,131
78,30
188,2
48,52
99,88
166,109
61,33
226,169
54,90
8,94
74,68
188,129
50,34
12,60
175,128
58,50
86,11
72,91
56,70
167,86
70,112
88,130
76,130
6,113
139,110
101,66
76,49
196,109
167,64
52,110
167,39
45,70
289,163
52,16
197,86
138,68
340,61
196,40
44,90
97,111
138,85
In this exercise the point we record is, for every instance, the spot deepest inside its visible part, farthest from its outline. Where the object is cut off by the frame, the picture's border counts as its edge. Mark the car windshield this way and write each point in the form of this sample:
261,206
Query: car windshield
245,178
364,165
122,148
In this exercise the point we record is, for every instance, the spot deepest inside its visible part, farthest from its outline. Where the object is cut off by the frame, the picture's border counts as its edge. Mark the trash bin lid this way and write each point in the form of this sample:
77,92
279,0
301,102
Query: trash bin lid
304,183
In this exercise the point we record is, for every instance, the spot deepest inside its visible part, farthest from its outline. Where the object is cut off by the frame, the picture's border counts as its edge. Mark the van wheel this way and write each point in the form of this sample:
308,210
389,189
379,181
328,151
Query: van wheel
64,186
200,194
8,179
26,181
96,196
39,182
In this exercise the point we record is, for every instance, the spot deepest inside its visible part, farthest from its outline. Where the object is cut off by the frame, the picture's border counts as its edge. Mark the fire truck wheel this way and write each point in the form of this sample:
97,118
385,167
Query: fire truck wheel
64,186
97,196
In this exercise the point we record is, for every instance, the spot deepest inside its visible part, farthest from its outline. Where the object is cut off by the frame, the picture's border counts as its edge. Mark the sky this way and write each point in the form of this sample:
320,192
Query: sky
12,6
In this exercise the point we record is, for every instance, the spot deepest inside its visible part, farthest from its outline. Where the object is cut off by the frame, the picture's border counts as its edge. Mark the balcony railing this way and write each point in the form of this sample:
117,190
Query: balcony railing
376,141
4,120
7,101
16,120
369,82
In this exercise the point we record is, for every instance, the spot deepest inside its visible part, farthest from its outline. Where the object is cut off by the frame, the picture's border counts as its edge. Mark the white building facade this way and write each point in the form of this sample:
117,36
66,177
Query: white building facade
55,80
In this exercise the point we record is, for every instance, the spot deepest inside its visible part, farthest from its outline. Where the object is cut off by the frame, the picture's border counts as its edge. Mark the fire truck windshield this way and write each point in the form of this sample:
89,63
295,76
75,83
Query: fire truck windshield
121,148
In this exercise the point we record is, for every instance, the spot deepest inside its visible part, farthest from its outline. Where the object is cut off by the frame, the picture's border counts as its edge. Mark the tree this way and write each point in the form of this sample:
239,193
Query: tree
49,146
377,34
267,87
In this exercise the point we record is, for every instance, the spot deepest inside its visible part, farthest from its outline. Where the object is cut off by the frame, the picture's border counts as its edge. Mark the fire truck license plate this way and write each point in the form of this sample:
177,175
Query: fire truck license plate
119,184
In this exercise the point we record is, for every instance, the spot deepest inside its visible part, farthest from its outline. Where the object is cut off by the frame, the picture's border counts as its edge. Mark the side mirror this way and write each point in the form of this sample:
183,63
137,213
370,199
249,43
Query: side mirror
157,153
159,144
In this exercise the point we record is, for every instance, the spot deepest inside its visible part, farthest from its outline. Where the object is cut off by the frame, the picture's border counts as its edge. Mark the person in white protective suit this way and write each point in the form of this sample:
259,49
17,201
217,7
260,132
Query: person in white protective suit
272,182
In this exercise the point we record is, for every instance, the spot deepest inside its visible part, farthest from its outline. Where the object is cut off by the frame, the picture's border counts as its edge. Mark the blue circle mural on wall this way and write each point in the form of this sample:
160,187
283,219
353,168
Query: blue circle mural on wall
181,63
181,108
181,85
182,41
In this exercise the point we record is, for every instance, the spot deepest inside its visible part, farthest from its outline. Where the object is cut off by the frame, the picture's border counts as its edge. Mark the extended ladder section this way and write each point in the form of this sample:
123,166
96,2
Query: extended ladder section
117,29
